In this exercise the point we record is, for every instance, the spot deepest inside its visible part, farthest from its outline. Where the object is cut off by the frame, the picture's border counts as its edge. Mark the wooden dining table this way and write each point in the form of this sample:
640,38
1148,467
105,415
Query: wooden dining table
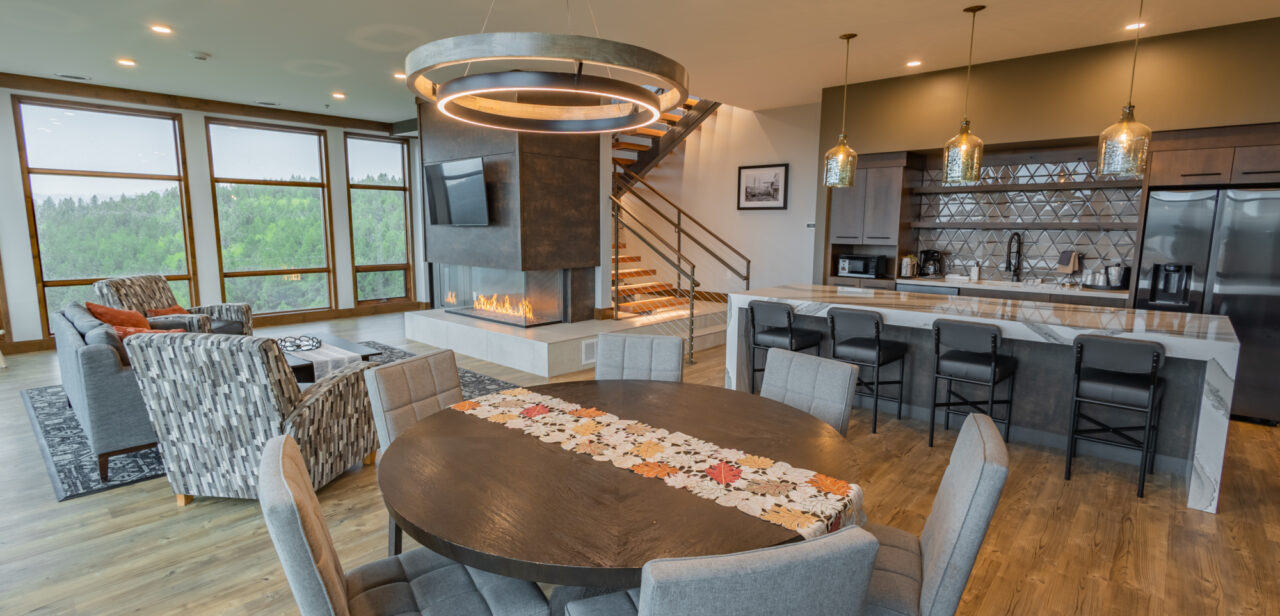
502,501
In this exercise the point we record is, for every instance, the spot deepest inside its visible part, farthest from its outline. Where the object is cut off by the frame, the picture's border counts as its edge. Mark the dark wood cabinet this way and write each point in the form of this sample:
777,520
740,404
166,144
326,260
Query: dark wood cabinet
848,206
1256,164
883,206
1191,167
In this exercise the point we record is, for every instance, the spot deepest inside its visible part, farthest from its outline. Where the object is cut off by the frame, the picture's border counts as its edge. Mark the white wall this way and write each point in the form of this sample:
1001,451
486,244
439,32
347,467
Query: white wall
15,243
701,176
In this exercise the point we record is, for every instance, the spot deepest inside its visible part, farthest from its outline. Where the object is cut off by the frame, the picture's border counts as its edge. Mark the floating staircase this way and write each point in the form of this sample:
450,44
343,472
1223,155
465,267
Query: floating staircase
641,148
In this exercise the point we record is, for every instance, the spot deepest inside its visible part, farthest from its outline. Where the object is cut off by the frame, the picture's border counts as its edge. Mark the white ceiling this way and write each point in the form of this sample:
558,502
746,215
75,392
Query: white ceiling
757,54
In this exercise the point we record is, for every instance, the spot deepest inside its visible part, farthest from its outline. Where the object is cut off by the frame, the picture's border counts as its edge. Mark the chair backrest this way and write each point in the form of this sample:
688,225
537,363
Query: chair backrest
298,530
764,314
141,293
966,336
645,358
962,509
214,400
846,323
405,392
1119,354
818,386
825,575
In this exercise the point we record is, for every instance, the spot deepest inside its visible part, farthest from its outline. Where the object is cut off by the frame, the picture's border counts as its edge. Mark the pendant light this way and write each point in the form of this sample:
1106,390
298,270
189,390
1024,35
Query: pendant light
962,154
840,162
1122,147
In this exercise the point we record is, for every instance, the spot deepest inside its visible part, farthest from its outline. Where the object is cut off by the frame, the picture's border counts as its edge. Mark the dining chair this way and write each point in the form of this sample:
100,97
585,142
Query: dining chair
417,582
926,575
405,392
818,386
825,575
638,357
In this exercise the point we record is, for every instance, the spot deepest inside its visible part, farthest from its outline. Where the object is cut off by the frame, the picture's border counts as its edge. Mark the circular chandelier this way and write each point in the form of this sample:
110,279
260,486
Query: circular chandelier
586,103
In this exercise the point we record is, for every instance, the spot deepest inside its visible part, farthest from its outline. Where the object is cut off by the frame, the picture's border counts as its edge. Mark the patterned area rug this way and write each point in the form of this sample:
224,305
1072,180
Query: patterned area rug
73,469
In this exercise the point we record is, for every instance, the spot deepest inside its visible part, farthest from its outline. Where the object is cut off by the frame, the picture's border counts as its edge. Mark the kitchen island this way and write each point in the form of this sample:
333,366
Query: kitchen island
1201,351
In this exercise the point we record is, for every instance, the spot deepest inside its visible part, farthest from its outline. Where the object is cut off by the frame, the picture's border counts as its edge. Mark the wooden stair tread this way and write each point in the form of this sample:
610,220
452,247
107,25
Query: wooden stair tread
627,145
626,259
619,246
623,161
638,272
672,118
645,287
647,132
649,305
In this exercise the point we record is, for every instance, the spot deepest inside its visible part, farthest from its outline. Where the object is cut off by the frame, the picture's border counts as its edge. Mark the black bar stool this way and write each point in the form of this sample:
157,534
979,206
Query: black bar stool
973,357
1119,374
771,325
855,339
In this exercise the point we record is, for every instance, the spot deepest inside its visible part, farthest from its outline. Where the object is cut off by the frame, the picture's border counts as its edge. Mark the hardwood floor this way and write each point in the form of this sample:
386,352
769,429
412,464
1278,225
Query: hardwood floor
1087,546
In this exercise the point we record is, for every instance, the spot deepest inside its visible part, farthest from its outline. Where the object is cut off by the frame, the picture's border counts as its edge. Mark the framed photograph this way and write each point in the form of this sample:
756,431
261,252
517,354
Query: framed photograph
763,187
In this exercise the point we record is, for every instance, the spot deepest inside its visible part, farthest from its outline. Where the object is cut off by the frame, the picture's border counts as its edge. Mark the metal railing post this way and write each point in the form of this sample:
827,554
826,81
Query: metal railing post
692,293
616,280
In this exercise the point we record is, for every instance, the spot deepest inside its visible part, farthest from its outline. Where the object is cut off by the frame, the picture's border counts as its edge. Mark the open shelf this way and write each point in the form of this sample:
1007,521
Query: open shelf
975,188
1046,225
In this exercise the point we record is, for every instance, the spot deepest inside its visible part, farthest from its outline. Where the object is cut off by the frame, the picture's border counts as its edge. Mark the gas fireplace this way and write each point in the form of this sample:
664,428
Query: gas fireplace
524,299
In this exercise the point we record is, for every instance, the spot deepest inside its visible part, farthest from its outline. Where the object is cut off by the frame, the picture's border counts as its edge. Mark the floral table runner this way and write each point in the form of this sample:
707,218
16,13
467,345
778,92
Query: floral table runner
807,502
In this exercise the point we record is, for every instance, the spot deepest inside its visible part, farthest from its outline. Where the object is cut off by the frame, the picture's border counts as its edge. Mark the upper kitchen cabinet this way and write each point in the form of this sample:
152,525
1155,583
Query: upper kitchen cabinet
882,213
1256,164
848,210
1191,167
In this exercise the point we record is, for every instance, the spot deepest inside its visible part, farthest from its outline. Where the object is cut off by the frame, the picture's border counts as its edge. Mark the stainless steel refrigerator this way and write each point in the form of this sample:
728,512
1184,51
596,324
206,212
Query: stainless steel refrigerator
1218,252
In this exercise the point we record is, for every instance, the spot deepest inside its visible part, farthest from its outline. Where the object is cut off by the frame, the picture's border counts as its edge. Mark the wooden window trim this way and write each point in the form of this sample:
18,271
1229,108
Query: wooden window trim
182,178
326,204
406,190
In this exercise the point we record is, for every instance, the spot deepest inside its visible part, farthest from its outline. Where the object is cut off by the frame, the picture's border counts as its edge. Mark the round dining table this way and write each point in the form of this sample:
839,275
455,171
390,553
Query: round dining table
502,501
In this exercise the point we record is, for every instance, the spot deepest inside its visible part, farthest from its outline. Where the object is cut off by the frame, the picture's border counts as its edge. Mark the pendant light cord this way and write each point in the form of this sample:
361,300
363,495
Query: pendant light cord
973,24
1137,35
844,109
483,25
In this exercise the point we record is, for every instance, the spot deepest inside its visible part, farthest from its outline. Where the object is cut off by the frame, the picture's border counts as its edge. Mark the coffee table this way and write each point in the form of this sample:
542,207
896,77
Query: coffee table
305,372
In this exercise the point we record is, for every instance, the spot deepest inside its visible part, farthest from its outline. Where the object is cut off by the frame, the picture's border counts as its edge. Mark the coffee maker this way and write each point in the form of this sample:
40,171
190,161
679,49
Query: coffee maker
931,264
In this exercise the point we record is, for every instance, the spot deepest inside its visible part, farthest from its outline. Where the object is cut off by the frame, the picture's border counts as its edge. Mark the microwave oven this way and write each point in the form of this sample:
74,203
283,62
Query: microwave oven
861,266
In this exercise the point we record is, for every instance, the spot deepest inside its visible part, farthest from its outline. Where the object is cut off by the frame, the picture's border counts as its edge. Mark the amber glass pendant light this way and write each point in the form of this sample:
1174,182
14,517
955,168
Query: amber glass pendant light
840,162
962,154
1122,147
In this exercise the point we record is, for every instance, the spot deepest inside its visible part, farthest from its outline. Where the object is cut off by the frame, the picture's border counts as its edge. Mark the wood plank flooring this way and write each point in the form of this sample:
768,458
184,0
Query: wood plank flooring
1087,546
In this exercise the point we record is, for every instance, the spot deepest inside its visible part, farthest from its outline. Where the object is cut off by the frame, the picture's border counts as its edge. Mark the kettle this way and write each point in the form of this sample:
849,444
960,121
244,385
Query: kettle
931,263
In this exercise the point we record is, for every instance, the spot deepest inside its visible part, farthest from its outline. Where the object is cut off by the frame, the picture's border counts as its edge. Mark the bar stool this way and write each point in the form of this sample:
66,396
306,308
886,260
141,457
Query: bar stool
771,325
973,357
855,339
1120,374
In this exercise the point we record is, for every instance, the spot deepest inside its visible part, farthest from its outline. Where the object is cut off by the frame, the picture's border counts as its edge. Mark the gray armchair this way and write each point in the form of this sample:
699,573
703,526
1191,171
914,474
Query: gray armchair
216,399
143,293
100,386
824,575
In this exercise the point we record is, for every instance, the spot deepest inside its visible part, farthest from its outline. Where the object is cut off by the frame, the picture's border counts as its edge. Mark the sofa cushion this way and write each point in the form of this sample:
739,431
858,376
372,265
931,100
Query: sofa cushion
220,326
106,334
81,318
116,316
160,312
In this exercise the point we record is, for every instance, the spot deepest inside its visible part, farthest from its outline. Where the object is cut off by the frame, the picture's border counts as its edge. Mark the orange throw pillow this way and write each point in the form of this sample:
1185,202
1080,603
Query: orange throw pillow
124,332
114,316
174,309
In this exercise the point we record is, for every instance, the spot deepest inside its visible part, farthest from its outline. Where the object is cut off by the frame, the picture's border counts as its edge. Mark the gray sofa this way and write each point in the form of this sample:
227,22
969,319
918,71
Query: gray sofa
100,385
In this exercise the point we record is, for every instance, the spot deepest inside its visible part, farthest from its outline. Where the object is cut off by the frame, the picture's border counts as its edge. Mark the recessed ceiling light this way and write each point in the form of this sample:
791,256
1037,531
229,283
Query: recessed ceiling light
161,29
1135,26
399,75
339,95
914,63
125,62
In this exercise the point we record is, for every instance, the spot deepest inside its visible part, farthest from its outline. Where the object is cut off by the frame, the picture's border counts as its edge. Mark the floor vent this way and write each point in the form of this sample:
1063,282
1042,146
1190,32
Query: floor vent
589,351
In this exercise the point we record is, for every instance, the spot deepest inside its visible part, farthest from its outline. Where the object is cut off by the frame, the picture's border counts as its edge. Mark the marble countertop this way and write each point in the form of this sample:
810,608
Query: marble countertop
1013,287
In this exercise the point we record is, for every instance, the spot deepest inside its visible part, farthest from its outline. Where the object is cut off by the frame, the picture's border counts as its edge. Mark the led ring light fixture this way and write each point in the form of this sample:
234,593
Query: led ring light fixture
597,105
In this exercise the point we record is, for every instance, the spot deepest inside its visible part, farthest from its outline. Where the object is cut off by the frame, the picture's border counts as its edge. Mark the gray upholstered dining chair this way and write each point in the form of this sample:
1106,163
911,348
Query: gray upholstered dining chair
417,582
152,292
633,356
405,392
825,575
926,575
818,386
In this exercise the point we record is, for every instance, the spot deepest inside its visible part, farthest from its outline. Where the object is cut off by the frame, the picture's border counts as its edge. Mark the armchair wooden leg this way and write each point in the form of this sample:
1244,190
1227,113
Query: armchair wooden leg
370,458
103,465
185,499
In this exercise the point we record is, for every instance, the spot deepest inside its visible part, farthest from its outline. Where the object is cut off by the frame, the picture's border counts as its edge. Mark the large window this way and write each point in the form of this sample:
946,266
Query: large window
379,196
271,197
107,196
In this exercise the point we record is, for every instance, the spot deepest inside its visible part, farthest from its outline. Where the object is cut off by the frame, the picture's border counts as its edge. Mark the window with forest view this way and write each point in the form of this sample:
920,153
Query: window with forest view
379,197
108,197
271,200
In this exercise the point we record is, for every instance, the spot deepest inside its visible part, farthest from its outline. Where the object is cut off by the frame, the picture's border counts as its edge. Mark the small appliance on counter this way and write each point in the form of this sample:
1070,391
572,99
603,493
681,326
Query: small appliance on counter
1109,278
908,267
931,264
862,266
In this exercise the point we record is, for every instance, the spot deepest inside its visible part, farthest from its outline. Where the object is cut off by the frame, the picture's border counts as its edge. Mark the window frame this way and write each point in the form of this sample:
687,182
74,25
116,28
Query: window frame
407,191
184,193
326,203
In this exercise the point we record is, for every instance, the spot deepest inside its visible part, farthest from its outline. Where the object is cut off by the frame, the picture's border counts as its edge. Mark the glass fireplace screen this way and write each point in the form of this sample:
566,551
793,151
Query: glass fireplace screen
524,299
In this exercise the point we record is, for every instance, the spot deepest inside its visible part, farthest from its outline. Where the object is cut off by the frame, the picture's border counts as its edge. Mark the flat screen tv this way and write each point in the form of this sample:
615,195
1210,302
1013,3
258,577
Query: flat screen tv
457,193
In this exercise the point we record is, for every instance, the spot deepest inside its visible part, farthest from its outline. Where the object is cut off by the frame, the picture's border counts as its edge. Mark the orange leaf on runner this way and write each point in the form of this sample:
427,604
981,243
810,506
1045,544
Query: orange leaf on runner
832,485
466,405
755,461
724,473
654,469
792,519
587,428
586,412
647,449
535,410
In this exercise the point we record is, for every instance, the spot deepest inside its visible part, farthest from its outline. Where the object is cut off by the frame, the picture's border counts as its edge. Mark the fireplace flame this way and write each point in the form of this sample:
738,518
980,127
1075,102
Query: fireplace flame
491,304
451,298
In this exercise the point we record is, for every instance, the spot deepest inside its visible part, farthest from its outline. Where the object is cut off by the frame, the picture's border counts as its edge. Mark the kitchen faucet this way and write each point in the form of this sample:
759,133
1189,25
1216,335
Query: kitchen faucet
1013,256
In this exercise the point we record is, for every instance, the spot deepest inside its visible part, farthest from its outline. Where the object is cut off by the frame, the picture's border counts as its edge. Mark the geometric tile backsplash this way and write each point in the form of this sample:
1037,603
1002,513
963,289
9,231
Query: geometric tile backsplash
986,247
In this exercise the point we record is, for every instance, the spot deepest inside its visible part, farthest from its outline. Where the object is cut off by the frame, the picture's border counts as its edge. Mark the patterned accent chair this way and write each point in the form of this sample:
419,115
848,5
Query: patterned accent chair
143,293
215,400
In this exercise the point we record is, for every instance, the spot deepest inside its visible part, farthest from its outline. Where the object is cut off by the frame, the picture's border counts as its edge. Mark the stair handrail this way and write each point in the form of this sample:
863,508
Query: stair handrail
745,276
618,225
